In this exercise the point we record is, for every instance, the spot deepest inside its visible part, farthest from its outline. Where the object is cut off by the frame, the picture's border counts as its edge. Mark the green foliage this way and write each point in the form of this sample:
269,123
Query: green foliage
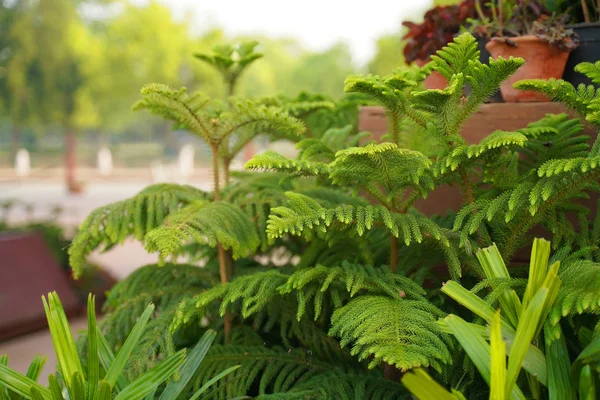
194,113
328,274
164,286
102,379
114,223
583,99
406,336
205,222
231,61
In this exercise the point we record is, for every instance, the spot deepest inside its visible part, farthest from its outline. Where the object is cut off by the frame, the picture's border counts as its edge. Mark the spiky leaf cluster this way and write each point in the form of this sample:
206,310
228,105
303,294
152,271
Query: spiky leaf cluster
320,290
231,60
205,118
135,217
540,196
205,222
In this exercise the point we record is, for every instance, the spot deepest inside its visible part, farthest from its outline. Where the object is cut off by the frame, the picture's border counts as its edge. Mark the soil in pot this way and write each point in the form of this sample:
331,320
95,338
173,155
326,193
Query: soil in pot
588,51
435,80
542,61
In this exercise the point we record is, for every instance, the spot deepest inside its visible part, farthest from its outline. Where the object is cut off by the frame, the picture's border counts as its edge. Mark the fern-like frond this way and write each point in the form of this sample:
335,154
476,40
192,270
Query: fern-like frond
341,385
271,160
263,370
591,70
485,80
563,166
177,106
384,164
354,279
112,224
493,143
205,222
579,294
304,213
249,118
454,58
553,137
377,88
332,141
165,287
397,331
577,99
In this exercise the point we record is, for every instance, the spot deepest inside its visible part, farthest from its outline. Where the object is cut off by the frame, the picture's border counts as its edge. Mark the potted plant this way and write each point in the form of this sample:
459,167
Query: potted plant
586,24
526,29
438,28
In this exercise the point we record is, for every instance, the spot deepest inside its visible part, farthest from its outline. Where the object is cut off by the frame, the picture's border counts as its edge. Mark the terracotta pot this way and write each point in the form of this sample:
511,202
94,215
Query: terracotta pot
542,61
435,80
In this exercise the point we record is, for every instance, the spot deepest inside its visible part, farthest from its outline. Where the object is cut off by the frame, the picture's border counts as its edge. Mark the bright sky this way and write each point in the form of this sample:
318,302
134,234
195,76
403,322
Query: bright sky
315,23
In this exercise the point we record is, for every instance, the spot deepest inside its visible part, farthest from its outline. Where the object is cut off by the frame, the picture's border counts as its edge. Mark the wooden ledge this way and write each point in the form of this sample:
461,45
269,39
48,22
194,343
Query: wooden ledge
488,118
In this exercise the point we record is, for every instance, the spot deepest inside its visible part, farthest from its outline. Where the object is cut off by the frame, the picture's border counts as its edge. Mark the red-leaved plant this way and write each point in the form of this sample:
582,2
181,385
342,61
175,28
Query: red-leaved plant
438,28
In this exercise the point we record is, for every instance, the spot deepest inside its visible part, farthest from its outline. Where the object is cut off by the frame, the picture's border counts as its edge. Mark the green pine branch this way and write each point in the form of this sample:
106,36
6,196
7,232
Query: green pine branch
135,217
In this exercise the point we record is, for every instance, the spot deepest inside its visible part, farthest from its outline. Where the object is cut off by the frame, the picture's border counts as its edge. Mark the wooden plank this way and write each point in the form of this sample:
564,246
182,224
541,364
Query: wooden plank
29,270
488,118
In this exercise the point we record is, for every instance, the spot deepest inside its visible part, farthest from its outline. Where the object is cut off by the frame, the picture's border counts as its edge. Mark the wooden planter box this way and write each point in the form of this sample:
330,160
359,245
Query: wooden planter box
29,270
489,117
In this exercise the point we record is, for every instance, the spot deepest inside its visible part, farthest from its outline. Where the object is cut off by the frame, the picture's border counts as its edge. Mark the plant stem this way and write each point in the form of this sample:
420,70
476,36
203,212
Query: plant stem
479,10
393,253
586,11
501,15
467,187
220,250
394,123
70,160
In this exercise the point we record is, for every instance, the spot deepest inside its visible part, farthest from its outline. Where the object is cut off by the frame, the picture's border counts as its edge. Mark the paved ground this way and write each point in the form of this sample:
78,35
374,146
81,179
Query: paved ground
120,261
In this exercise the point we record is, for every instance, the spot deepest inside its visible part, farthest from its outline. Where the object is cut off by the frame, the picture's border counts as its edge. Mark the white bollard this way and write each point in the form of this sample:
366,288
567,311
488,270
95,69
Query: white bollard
186,160
104,161
22,163
158,172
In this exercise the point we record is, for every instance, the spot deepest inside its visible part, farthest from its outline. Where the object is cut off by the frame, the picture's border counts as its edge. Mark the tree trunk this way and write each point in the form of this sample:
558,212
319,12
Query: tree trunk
16,141
71,161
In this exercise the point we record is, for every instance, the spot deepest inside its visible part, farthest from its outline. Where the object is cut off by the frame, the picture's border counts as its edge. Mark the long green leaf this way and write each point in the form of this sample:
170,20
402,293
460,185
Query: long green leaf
559,382
493,266
107,358
104,391
525,332
20,384
552,283
77,389
538,267
62,337
420,384
131,342
35,368
477,349
92,342
36,395
193,361
152,378
212,381
590,353
498,361
587,384
534,362
54,388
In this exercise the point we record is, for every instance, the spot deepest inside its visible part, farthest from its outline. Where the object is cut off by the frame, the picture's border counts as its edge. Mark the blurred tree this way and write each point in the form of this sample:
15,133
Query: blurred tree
321,72
18,75
388,56
66,59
